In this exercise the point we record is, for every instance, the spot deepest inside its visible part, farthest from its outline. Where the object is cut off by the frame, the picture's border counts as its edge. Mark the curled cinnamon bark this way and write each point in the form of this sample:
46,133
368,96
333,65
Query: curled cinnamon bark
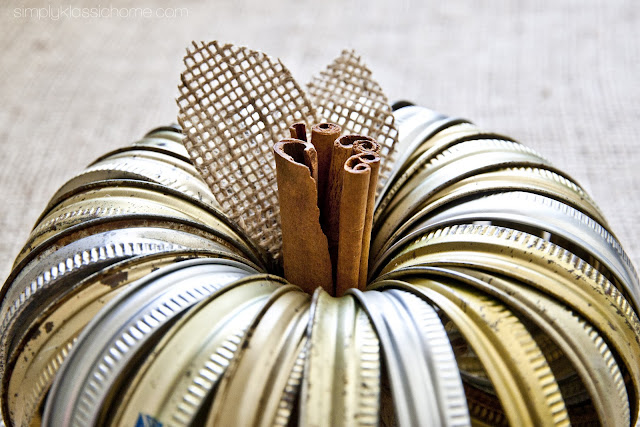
323,136
342,150
298,131
305,250
373,160
366,146
353,208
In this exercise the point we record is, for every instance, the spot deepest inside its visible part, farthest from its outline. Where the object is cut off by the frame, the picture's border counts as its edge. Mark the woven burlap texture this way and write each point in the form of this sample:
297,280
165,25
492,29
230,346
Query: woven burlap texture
236,103
346,94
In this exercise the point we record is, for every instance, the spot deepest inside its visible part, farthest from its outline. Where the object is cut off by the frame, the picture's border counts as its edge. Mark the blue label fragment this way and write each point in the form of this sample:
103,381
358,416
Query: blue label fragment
147,421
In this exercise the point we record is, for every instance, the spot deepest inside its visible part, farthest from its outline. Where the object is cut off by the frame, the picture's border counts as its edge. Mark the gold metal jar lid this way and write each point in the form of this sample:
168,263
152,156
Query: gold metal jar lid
341,380
34,359
589,357
459,162
35,285
419,360
134,320
252,389
158,168
532,180
177,379
53,220
544,266
424,151
187,232
515,364
124,200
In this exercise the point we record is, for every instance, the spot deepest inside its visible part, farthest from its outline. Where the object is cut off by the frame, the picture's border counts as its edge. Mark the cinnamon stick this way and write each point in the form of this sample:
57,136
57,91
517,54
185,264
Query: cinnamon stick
353,207
342,150
366,145
373,148
298,131
323,136
305,249
373,160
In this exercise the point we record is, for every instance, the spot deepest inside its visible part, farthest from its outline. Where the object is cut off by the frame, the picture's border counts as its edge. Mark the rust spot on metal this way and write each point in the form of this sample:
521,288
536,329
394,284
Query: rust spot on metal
33,334
116,279
48,327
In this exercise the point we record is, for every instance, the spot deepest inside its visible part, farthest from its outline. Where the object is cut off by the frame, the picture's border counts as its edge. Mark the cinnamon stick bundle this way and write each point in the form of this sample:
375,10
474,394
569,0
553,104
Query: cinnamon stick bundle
353,208
304,245
326,189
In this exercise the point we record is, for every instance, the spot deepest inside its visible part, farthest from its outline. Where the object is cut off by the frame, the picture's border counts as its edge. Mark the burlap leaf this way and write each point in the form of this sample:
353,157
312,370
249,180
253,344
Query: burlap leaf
345,93
235,103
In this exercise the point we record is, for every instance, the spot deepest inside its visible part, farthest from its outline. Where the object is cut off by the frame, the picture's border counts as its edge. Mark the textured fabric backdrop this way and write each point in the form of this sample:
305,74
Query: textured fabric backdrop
561,77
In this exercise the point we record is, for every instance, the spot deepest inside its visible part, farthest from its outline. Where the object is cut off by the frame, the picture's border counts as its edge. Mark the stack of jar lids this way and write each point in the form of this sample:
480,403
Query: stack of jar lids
537,296
498,295
131,212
